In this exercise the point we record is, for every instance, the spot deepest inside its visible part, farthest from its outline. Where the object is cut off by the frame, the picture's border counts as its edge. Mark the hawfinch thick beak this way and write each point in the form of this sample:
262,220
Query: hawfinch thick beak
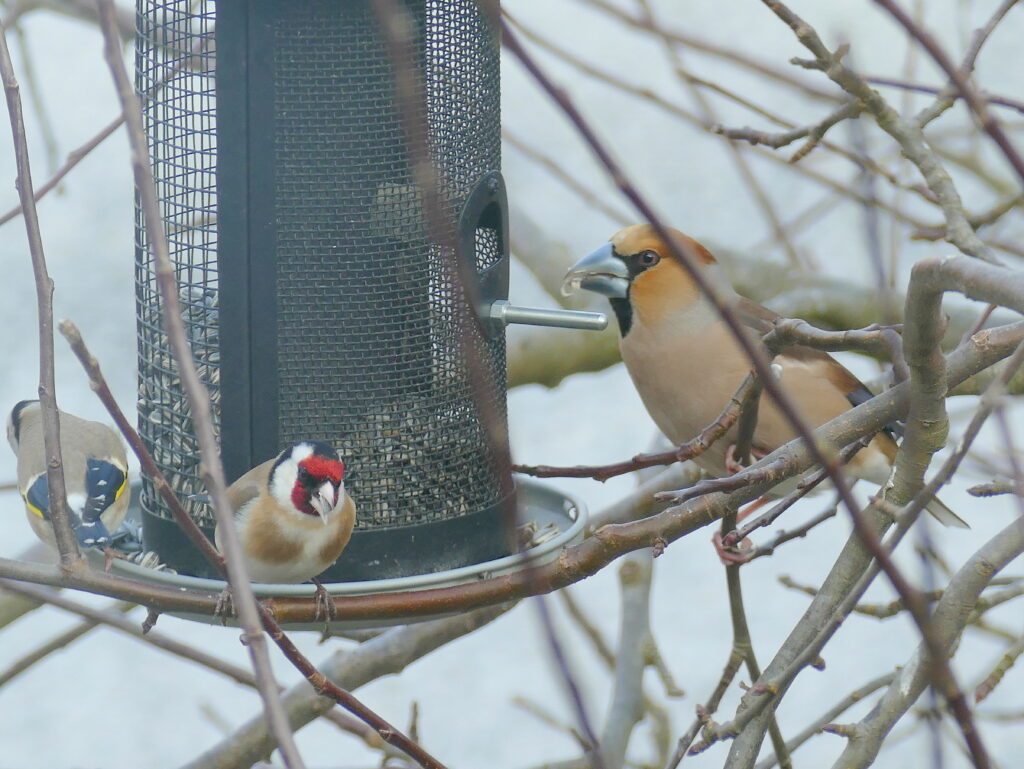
323,501
602,272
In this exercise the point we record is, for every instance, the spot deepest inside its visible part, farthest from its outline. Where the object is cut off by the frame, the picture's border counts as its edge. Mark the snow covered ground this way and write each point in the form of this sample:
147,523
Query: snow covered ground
112,702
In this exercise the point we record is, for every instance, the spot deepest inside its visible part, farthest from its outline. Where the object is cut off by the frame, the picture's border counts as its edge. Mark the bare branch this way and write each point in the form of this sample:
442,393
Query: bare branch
988,122
906,133
739,158
59,515
124,625
947,96
836,598
567,179
813,133
728,52
251,615
577,562
977,220
69,636
198,397
75,157
744,395
830,715
950,616
1006,662
627,703
386,654
999,101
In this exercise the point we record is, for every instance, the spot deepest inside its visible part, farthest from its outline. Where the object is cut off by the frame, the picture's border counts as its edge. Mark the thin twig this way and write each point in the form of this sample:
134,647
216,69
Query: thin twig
813,133
74,158
991,681
989,123
113,619
787,535
906,133
993,488
569,180
267,617
69,636
805,487
947,96
705,711
995,99
576,562
198,396
740,160
692,448
59,515
830,715
730,53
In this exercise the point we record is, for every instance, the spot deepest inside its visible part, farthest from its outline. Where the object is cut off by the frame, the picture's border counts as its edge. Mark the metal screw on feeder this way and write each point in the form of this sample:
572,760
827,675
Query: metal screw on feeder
316,305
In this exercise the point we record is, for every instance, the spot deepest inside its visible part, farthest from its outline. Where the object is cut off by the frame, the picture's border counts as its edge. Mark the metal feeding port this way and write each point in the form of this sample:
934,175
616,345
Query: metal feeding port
315,302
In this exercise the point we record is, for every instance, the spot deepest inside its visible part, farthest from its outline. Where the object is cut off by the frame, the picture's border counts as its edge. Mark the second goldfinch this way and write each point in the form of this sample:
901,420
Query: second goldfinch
95,474
686,363
293,514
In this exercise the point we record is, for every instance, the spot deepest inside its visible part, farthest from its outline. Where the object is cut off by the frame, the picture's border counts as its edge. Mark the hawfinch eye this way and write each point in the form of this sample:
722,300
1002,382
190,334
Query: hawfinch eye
649,258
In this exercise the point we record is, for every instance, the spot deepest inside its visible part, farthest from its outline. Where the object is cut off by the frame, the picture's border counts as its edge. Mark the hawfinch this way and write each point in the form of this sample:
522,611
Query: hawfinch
95,474
686,364
293,515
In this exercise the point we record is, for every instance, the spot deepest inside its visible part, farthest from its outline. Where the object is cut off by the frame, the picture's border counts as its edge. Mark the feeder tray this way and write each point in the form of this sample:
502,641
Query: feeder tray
558,520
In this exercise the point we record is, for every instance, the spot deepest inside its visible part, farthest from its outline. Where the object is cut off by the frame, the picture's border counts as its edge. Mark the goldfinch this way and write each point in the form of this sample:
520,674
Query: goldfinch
95,474
686,364
293,514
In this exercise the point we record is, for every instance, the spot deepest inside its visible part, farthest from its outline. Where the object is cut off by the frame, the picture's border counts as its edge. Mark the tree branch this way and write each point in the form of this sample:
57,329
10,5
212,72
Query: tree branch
906,133
575,563
59,515
387,654
950,616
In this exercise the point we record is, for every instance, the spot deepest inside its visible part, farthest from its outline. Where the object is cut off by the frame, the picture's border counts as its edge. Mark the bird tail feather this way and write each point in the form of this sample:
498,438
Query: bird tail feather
941,512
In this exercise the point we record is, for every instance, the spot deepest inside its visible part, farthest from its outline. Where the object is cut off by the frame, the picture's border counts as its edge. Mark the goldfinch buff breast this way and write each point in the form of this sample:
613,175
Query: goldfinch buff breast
293,515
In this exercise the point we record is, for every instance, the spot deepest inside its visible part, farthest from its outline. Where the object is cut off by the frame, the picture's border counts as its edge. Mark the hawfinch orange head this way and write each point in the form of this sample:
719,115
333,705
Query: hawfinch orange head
638,272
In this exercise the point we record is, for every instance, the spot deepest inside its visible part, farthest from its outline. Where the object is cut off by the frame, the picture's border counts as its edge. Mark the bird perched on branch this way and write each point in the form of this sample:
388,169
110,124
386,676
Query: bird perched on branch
686,364
95,474
293,514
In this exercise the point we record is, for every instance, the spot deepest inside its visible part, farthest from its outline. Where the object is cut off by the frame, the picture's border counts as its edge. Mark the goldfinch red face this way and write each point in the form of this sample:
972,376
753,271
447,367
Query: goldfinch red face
309,478
637,272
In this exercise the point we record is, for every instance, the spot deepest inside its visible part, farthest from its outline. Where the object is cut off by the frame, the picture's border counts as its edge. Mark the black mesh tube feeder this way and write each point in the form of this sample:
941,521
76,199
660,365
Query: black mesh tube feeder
315,302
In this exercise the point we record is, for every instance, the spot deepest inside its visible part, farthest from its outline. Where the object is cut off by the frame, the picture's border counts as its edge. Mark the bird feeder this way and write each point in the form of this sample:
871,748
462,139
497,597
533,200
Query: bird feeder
315,302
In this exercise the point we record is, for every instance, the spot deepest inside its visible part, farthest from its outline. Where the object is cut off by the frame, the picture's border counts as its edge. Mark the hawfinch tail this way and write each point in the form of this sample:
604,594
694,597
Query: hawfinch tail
686,364
293,515
95,474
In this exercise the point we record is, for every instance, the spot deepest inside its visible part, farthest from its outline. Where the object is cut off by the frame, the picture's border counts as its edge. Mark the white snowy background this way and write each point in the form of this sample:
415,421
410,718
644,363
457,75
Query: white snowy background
113,702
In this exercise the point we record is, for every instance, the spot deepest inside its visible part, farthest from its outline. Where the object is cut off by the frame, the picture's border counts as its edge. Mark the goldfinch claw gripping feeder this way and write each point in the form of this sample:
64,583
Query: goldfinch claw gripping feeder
315,303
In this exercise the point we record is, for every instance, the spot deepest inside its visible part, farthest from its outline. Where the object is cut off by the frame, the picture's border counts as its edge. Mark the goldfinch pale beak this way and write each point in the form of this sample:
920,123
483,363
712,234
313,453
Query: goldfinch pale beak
323,501
601,272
